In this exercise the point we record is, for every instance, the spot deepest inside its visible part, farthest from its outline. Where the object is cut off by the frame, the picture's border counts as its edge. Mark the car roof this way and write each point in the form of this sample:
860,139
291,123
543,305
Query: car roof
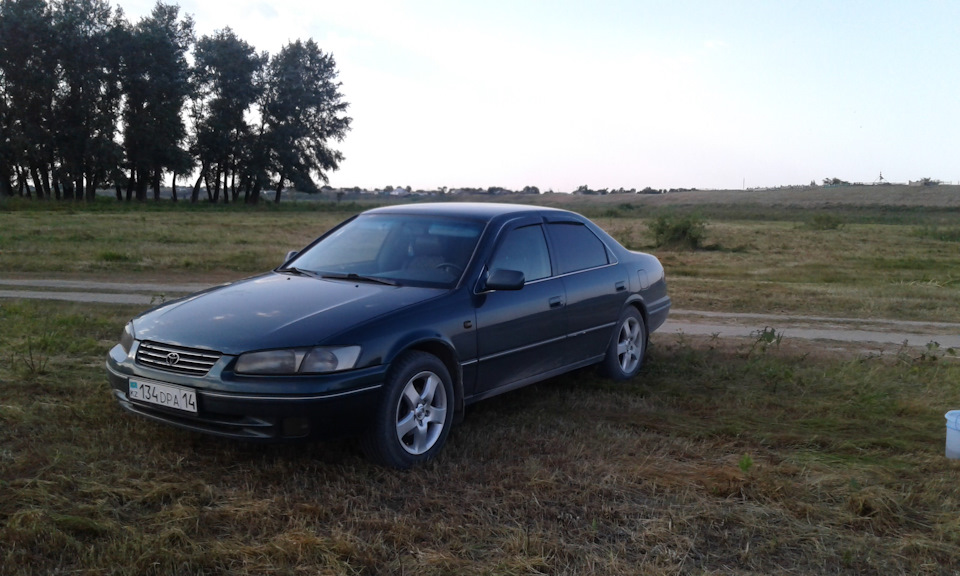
478,210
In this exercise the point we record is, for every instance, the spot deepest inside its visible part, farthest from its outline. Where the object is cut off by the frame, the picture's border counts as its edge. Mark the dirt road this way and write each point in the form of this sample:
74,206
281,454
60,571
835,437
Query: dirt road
869,332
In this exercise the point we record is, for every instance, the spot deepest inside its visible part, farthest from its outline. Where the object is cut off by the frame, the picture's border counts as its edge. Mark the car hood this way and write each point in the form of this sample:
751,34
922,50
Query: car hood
273,311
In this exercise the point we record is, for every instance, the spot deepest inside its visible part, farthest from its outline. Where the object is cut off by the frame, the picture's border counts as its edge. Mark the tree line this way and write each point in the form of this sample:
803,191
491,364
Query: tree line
89,100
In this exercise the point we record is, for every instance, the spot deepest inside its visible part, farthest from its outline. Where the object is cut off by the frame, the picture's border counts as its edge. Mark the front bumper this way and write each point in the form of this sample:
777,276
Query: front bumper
258,409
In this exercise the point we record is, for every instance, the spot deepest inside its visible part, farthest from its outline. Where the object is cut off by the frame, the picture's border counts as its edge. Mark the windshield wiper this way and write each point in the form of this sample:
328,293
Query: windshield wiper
298,271
359,278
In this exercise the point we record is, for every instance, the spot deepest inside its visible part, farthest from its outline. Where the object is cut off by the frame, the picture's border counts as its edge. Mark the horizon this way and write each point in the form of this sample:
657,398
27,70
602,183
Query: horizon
495,190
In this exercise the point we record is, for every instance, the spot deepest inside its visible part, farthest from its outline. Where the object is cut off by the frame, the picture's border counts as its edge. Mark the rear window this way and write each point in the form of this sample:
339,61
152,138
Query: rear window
577,247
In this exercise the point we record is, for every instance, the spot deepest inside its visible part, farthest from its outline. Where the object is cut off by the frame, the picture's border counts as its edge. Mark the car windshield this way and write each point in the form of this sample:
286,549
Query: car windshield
394,249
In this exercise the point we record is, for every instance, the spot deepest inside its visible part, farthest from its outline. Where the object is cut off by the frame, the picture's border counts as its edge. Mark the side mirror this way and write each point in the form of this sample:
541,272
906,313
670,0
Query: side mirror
290,256
500,279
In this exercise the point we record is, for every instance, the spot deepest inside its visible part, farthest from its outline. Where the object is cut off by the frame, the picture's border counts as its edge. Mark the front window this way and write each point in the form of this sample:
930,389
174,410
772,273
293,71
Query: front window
400,248
524,249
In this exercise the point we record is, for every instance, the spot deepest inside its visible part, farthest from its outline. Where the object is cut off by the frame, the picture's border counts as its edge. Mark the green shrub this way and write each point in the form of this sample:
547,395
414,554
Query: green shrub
825,222
681,232
114,256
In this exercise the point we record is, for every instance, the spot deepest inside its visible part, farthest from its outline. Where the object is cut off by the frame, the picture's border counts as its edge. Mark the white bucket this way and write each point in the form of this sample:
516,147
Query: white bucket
953,434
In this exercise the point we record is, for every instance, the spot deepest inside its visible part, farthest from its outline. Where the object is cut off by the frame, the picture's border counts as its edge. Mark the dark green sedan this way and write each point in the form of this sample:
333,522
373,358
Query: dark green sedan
388,325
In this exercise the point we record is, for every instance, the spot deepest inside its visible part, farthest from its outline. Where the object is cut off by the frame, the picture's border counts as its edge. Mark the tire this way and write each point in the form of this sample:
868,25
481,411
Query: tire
415,414
627,348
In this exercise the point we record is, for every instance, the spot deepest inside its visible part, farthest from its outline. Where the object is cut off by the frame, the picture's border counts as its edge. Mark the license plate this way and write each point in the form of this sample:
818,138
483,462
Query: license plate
161,394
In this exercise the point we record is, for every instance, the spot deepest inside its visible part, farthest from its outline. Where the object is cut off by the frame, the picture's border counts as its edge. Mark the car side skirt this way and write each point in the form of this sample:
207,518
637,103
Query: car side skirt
532,380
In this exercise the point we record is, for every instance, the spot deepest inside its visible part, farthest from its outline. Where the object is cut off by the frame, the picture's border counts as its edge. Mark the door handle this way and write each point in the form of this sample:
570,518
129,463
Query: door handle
556,302
620,286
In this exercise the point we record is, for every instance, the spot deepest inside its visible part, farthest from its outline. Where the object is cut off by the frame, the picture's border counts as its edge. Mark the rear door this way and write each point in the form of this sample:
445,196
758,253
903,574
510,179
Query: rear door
595,287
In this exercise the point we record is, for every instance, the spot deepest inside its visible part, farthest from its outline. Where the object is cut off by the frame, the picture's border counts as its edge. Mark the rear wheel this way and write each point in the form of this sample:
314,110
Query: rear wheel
415,414
627,348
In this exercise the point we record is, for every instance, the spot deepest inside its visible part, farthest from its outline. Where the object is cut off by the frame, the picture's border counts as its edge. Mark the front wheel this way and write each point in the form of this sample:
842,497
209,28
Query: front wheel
415,414
627,347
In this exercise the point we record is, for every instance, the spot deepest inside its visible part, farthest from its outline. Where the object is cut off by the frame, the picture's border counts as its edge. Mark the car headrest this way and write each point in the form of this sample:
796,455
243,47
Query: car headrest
426,246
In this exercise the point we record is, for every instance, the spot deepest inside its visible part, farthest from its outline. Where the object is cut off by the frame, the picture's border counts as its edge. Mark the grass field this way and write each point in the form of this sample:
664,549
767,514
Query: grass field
869,260
724,456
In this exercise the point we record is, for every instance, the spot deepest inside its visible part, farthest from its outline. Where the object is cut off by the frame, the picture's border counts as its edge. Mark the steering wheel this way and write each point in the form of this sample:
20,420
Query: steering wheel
450,267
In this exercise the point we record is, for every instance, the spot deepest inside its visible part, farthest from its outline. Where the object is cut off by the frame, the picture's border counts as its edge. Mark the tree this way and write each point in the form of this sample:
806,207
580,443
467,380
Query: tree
302,111
74,72
584,189
835,182
87,99
156,86
225,77
7,161
26,62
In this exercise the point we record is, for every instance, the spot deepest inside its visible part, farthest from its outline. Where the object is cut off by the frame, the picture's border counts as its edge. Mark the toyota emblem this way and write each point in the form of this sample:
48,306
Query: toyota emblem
172,359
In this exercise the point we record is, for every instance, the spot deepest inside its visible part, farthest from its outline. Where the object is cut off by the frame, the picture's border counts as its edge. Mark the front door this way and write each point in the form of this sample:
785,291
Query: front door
520,333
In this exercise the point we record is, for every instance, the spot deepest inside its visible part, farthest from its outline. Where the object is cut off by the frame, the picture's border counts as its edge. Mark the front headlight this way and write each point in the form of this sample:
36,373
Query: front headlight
299,360
127,338
321,360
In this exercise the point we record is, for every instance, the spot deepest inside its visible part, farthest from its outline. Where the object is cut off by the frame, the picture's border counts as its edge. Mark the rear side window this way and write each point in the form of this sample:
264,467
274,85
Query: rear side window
577,247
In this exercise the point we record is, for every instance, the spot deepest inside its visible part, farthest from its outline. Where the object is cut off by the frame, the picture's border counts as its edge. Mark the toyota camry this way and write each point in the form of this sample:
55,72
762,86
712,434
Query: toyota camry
392,322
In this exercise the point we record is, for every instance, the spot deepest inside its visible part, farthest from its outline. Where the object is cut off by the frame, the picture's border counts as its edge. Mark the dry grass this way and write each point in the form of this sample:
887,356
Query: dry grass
722,457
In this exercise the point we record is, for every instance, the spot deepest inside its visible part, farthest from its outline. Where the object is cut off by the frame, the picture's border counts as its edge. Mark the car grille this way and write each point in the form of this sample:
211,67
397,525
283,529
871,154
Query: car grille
176,358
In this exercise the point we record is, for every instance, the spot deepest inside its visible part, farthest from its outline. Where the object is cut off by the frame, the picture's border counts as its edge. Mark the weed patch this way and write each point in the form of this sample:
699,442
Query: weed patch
678,232
112,256
825,221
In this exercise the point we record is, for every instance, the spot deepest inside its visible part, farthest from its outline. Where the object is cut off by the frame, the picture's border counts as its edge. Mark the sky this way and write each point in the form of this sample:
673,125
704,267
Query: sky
720,94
